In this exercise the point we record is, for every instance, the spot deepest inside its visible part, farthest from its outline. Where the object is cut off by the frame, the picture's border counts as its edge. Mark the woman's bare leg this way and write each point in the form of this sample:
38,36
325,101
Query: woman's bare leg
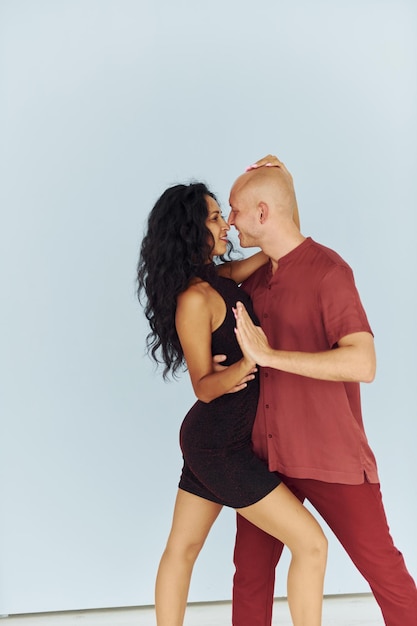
283,516
193,518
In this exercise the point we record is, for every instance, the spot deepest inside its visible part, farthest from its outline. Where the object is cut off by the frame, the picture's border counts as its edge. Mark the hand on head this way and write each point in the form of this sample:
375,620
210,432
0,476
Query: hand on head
267,180
270,160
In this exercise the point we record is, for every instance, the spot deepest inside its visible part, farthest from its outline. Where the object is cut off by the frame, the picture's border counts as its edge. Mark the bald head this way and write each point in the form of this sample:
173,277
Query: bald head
270,185
264,211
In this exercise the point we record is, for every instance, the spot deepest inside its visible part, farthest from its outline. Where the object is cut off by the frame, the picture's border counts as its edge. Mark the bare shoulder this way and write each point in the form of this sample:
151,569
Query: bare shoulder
195,296
201,301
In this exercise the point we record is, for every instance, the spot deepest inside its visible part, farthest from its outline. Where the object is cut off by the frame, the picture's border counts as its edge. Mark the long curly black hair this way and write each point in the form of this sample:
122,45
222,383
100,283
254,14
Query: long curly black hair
176,246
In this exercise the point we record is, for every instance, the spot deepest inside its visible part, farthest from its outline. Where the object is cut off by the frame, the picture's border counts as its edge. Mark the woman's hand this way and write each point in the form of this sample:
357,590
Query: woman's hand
270,160
217,367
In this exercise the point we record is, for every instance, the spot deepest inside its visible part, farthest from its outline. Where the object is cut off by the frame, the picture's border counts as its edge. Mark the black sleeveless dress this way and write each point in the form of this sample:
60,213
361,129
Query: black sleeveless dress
215,437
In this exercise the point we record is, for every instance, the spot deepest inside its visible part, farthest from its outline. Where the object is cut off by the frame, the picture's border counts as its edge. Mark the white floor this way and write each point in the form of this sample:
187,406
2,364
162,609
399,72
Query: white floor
354,610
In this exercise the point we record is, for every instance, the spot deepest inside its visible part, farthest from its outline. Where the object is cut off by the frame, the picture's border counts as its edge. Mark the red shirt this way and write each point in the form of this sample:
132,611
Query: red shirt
304,427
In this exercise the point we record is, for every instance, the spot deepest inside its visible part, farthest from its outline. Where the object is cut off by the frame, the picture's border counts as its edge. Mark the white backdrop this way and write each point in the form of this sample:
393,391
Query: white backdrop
103,104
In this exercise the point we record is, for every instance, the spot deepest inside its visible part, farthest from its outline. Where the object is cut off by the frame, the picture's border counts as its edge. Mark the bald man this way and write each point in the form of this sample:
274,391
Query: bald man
314,348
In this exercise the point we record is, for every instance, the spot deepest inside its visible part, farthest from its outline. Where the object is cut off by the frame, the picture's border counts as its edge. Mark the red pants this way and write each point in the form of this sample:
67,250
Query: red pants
356,515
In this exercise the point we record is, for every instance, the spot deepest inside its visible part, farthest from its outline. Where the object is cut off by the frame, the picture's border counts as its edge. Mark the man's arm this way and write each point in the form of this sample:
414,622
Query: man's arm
352,361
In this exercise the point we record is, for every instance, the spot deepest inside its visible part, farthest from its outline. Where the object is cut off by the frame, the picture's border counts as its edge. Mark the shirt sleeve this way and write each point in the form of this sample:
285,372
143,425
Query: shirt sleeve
341,307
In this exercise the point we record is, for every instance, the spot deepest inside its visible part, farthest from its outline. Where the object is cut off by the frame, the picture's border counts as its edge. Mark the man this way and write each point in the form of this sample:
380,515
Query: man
315,348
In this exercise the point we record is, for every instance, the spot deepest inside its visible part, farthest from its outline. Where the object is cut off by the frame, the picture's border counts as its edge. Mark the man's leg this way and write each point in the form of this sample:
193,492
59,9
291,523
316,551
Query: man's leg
356,515
256,556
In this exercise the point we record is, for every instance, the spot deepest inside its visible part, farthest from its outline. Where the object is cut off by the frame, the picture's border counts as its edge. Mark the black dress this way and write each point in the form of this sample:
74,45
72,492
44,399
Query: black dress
215,437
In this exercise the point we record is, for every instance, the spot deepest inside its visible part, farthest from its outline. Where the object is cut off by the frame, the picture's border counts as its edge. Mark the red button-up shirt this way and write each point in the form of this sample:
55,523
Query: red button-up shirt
304,427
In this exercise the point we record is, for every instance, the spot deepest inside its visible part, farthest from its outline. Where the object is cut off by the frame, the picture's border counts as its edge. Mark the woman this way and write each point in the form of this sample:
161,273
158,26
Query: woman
189,305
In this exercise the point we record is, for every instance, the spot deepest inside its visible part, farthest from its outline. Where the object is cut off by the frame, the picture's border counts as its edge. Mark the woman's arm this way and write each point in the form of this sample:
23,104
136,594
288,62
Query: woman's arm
194,327
242,269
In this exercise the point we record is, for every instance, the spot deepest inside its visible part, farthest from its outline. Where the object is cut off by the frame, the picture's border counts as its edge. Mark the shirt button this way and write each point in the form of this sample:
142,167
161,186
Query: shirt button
266,374
267,406
266,315
269,436
269,287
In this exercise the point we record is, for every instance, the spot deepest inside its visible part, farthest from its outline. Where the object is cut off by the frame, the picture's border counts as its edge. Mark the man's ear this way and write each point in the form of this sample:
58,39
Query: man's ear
263,211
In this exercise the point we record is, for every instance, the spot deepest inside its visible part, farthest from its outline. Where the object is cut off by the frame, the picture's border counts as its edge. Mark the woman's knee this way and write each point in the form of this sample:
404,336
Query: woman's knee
184,550
314,546
321,545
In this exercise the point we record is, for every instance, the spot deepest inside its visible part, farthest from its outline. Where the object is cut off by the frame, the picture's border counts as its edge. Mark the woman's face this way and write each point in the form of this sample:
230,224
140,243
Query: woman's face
217,226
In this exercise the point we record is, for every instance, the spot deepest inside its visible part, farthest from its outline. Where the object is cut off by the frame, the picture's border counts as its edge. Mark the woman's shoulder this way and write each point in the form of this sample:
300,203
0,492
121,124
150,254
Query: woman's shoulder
197,293
197,302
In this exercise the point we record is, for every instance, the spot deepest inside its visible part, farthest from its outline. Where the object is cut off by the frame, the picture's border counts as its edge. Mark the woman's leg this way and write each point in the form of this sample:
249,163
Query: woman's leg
281,515
193,518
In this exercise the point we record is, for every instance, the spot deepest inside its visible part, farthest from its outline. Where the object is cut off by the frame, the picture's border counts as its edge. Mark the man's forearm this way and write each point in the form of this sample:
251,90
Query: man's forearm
353,360
344,363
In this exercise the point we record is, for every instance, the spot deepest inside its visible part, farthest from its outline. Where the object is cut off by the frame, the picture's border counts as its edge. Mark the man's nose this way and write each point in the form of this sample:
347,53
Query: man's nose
230,219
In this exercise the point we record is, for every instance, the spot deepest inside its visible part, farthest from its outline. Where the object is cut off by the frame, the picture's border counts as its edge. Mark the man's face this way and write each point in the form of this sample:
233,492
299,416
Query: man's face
243,216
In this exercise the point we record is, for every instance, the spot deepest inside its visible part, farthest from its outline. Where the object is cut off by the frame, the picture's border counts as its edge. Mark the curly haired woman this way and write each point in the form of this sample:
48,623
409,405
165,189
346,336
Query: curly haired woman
189,306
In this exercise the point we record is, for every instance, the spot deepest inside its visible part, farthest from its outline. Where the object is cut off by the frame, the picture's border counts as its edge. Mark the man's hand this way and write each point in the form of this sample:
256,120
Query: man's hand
251,338
218,359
